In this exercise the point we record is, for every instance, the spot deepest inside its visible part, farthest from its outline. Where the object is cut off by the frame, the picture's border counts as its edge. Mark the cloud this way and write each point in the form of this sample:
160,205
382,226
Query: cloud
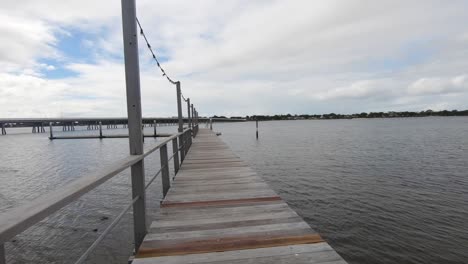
439,86
238,57
358,90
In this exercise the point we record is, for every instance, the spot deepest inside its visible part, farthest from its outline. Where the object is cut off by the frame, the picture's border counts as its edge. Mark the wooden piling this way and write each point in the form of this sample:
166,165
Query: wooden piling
256,123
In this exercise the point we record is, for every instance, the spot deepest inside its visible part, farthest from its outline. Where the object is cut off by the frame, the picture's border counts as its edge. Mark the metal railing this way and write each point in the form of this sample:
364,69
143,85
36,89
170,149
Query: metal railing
19,219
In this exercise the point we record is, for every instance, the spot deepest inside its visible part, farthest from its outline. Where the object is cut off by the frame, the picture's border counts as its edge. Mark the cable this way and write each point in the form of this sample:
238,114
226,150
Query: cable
154,55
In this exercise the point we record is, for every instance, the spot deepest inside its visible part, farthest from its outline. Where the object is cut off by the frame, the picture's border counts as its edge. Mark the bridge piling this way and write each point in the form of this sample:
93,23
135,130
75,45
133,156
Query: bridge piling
256,124
100,129
51,131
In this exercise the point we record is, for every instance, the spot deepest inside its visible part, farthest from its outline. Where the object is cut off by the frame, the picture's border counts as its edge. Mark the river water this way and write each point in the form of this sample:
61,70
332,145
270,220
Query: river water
378,190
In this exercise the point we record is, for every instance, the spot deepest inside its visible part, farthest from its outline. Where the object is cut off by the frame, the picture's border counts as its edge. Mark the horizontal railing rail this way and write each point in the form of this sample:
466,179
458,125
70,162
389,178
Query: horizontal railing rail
17,220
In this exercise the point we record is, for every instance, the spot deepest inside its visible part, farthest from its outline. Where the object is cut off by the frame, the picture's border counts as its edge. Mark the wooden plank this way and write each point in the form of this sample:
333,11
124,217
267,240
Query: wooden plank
218,202
225,230
256,240
242,255
218,210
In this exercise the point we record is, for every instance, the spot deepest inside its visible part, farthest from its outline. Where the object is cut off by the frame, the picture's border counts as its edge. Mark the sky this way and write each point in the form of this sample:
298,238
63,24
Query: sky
65,58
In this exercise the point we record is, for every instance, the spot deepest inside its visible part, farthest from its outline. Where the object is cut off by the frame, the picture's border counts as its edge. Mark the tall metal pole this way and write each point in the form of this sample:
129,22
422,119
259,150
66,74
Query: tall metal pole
135,134
179,108
188,113
191,120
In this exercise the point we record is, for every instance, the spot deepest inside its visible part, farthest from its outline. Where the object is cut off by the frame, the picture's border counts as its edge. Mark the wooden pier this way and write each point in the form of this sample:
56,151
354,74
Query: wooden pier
218,210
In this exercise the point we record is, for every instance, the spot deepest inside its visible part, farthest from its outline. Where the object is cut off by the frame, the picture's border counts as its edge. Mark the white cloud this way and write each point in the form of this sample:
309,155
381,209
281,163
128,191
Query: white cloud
435,86
238,57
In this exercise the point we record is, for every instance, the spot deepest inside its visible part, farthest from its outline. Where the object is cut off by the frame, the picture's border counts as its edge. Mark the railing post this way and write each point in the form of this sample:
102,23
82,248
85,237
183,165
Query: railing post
175,152
135,133
189,123
191,120
2,254
195,121
182,146
166,181
189,141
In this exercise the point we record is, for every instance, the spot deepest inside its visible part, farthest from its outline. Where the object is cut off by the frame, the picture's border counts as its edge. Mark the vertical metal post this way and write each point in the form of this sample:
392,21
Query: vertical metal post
191,120
175,152
194,113
135,134
51,130
3,129
166,181
179,108
154,124
181,146
2,254
100,129
196,120
188,113
256,123
211,123
187,140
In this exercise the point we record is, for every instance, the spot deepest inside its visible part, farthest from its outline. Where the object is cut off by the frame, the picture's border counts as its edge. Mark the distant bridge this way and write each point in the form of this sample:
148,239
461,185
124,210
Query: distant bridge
68,124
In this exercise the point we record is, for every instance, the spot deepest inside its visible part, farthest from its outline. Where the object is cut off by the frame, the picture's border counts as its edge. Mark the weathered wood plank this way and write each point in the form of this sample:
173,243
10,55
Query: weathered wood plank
219,211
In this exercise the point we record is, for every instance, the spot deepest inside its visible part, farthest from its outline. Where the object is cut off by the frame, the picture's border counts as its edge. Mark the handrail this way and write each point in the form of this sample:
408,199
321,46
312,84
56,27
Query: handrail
17,220
106,231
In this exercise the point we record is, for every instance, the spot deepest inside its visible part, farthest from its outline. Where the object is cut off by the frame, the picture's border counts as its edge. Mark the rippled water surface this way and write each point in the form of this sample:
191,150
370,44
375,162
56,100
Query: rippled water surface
379,191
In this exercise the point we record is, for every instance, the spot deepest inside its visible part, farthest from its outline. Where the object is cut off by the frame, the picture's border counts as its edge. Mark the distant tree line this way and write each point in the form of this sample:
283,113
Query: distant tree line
391,114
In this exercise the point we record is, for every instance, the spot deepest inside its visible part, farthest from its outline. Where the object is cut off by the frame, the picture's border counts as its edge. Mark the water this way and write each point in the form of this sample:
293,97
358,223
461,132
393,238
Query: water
379,191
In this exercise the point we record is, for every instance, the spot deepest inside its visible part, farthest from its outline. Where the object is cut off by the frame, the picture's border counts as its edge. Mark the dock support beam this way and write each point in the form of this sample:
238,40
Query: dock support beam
135,133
